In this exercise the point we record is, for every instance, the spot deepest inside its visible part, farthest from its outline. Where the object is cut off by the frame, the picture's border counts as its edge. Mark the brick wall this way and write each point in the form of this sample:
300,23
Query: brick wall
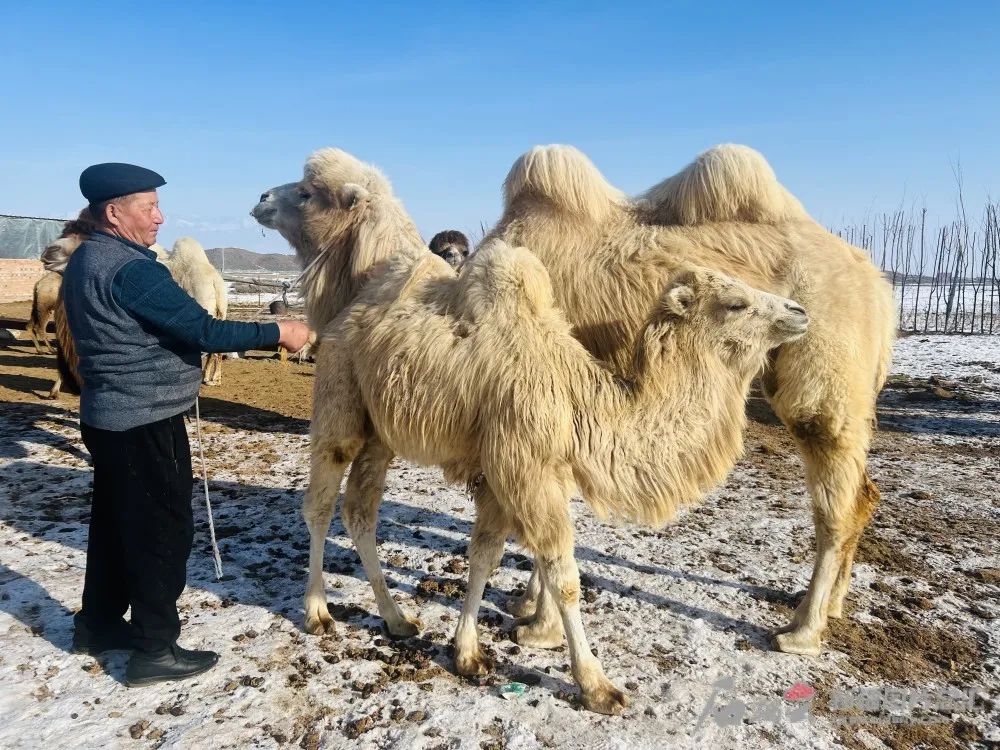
17,279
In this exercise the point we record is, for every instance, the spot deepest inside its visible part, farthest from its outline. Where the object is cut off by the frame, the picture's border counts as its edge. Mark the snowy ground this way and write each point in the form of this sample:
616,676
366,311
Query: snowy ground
671,612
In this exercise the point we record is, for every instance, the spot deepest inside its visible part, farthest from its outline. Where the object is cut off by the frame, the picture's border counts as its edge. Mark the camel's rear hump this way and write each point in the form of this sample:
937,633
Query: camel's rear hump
729,182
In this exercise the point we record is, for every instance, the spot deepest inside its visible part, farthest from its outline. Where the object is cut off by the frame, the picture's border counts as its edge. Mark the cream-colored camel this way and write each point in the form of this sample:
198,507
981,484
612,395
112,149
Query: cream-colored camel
479,374
194,274
608,257
44,299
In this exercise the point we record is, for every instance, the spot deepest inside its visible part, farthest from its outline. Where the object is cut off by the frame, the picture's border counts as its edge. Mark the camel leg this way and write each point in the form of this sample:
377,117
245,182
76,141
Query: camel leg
213,369
837,535
43,335
867,500
336,437
329,462
544,627
525,604
562,578
833,431
360,514
485,551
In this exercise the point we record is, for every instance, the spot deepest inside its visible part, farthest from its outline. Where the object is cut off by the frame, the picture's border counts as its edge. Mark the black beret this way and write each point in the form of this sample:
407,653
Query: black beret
102,182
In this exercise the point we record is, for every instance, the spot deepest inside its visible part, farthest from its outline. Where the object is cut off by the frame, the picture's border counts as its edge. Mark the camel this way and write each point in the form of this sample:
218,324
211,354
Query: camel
477,372
608,257
194,273
451,245
44,299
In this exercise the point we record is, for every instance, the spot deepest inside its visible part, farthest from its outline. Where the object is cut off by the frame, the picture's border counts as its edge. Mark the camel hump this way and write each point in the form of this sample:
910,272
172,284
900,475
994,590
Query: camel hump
501,276
187,250
729,182
564,176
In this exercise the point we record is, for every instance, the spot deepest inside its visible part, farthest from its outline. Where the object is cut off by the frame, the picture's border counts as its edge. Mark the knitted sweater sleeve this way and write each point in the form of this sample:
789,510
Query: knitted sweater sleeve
147,291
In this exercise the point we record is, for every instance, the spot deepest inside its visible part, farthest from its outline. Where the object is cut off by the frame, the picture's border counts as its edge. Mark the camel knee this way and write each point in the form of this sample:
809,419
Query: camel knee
335,453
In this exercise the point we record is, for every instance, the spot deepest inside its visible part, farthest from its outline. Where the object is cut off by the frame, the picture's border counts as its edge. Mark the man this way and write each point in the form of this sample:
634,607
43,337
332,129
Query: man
139,338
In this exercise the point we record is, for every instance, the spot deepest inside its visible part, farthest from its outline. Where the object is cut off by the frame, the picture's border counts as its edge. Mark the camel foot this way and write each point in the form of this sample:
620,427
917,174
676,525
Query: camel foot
796,640
406,628
319,622
606,699
536,634
521,606
473,664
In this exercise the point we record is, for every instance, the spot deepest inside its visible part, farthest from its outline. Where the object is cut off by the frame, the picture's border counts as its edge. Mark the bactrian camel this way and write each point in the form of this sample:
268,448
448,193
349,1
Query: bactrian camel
609,257
478,373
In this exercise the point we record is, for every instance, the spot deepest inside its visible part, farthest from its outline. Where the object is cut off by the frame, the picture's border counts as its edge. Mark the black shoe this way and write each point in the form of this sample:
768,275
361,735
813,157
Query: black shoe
89,638
175,663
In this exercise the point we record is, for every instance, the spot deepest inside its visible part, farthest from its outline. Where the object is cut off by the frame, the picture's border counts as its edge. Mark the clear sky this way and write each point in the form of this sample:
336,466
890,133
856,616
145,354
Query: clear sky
860,107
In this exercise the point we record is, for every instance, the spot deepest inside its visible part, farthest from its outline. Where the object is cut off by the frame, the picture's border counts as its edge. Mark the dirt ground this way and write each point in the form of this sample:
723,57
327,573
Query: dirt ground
923,608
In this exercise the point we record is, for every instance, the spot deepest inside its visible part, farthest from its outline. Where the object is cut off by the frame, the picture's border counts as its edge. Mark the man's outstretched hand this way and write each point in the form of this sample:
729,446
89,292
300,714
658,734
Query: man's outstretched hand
294,335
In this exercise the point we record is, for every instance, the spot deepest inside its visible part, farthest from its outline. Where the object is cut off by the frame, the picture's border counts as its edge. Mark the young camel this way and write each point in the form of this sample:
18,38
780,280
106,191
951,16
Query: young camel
479,374
608,256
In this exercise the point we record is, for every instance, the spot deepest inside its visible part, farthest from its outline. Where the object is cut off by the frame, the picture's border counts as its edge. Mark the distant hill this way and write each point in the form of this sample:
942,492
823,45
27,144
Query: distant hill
238,259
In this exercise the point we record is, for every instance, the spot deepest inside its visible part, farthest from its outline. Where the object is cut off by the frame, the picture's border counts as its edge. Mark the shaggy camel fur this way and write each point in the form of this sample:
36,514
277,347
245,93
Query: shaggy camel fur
44,299
608,258
194,274
479,374
451,245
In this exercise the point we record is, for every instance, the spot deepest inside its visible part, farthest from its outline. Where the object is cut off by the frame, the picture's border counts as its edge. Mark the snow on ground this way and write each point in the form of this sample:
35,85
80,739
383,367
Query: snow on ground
672,613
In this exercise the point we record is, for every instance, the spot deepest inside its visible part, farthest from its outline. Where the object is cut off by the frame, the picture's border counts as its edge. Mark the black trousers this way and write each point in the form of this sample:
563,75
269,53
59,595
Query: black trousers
141,528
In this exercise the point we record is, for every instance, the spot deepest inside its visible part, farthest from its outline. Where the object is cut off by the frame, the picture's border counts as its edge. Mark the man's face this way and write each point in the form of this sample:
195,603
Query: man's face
136,217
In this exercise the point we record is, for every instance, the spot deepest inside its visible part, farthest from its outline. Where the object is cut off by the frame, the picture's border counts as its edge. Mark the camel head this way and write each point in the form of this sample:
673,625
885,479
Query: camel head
451,245
717,315
343,221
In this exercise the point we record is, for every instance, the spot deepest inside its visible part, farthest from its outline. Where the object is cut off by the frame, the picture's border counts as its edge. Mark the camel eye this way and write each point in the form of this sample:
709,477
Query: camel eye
304,195
736,306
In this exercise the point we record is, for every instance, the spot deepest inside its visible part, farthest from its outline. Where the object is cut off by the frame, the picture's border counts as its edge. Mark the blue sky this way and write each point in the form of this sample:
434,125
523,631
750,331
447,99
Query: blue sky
860,107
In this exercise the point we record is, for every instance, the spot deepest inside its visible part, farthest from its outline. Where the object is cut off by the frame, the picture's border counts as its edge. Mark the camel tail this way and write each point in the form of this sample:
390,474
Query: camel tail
564,176
726,183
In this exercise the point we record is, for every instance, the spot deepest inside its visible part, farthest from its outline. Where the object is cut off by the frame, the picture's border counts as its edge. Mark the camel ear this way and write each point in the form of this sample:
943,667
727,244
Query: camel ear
678,300
351,193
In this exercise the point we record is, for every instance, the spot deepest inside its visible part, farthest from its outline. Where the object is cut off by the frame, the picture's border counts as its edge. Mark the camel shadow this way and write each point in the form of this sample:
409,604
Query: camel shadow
27,425
243,416
37,387
917,412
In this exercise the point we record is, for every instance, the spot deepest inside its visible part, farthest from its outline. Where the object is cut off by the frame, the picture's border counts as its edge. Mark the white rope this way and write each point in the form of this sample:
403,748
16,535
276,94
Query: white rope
208,503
